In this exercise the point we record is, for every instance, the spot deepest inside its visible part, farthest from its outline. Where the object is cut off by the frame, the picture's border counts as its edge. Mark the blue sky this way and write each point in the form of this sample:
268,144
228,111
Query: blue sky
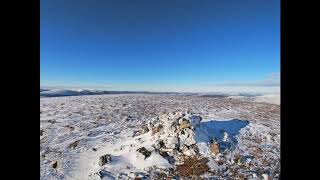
159,44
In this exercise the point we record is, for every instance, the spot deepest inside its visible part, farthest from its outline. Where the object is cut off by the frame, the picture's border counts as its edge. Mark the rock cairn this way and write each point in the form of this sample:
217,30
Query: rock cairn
174,135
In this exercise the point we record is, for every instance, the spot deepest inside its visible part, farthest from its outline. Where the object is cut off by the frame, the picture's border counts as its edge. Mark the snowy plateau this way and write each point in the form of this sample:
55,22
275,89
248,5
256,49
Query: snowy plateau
159,136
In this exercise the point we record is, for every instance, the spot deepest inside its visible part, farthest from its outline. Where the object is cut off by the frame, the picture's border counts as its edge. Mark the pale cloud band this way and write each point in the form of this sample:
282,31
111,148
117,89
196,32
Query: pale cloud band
272,80
270,84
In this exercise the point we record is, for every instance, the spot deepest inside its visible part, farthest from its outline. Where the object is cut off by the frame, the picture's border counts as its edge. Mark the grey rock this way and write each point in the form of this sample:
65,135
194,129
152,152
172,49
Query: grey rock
104,159
144,152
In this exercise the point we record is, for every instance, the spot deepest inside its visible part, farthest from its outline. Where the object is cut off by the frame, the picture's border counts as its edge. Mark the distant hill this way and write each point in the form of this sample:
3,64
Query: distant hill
65,92
80,92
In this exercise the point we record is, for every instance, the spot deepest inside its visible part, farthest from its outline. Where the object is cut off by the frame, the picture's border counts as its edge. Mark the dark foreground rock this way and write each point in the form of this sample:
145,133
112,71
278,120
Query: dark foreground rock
104,159
144,152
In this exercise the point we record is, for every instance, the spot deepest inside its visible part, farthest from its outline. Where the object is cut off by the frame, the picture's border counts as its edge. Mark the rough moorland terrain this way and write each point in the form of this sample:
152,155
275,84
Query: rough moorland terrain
158,137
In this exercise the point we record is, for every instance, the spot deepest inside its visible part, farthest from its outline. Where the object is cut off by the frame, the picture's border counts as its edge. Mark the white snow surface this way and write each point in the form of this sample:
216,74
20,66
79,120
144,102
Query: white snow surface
269,98
105,124
266,98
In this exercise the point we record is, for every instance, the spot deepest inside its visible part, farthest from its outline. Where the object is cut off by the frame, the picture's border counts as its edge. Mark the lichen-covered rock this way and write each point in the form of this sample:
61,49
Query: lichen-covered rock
104,159
184,125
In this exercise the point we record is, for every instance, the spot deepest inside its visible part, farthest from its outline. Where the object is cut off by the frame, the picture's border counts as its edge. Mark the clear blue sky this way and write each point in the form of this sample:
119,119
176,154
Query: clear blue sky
143,44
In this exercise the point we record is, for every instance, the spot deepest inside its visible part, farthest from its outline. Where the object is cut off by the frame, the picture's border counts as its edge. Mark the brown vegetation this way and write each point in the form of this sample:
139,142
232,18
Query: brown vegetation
192,166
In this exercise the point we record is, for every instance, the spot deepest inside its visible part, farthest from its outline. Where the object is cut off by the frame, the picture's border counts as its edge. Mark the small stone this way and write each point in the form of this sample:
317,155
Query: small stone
159,144
132,175
215,149
163,154
225,137
74,144
156,129
265,176
237,158
144,151
189,152
144,129
254,175
94,149
52,121
55,164
135,133
104,173
183,120
104,159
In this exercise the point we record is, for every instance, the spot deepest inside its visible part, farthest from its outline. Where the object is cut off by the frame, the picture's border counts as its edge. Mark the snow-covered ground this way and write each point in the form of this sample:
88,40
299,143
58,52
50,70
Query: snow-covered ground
270,98
76,131
266,98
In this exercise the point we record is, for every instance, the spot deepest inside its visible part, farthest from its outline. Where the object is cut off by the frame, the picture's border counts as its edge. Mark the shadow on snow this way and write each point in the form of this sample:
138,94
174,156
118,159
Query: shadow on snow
209,130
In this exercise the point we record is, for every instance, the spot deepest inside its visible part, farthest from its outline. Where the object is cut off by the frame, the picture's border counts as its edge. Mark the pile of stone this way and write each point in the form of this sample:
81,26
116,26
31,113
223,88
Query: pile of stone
174,135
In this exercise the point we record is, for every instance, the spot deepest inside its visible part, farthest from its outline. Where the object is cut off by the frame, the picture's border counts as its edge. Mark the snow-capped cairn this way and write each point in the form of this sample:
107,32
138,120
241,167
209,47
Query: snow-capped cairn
174,134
